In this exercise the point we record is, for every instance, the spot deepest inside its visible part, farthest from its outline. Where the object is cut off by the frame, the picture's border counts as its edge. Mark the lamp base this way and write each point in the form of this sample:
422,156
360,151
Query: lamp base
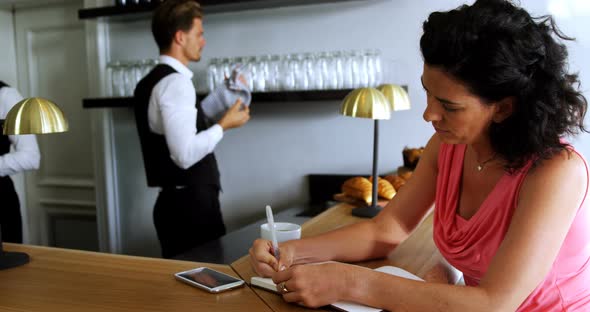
366,212
12,259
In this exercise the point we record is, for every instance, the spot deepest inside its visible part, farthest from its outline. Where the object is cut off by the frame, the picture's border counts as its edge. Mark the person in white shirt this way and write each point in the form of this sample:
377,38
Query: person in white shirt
23,156
177,144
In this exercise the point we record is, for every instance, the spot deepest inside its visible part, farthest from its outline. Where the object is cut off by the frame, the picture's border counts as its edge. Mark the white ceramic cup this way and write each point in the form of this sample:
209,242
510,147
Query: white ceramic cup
285,231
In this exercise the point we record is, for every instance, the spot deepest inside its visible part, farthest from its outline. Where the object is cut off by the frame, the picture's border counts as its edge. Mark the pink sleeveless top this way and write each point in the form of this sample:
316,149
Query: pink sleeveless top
470,245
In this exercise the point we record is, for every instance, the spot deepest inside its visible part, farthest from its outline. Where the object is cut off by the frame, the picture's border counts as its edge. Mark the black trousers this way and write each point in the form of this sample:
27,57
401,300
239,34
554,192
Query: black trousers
186,218
10,217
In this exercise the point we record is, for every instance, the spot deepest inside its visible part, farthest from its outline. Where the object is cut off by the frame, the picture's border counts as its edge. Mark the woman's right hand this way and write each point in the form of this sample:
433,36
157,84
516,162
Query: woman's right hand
263,260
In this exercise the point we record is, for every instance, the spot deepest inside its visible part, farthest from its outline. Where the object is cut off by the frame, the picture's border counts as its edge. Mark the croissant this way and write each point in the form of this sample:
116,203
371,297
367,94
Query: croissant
384,188
358,187
396,181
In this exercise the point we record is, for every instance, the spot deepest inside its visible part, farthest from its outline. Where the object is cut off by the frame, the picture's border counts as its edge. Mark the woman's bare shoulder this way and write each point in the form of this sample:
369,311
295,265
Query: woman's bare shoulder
564,174
565,164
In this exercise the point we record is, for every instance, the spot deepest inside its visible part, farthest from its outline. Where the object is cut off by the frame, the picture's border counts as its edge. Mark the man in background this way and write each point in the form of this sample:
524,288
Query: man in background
177,145
24,156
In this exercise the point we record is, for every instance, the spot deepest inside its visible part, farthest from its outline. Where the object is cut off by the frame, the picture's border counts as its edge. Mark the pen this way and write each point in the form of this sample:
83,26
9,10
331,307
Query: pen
273,233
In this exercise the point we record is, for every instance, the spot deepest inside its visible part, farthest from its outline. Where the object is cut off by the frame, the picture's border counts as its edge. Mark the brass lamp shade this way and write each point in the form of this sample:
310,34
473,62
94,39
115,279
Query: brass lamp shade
396,95
366,103
35,116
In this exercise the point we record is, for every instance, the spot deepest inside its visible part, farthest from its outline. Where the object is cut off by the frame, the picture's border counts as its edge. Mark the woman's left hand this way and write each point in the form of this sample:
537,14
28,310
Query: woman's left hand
315,285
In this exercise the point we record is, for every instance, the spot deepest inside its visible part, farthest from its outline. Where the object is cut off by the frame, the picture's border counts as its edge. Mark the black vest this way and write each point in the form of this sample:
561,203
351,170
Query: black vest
159,168
4,141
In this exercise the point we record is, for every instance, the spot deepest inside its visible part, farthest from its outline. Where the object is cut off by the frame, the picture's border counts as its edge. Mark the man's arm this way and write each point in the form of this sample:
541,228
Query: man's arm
176,98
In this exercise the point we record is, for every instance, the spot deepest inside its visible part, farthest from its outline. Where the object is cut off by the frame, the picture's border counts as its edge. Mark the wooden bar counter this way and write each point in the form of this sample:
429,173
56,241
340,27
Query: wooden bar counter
70,280
418,254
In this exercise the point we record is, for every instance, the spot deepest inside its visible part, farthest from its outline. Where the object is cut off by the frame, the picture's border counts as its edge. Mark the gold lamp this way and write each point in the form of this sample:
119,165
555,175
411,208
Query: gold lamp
29,116
35,116
396,95
376,104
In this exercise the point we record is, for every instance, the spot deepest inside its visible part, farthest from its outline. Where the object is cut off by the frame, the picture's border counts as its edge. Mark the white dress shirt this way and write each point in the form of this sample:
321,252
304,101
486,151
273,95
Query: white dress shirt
172,113
25,153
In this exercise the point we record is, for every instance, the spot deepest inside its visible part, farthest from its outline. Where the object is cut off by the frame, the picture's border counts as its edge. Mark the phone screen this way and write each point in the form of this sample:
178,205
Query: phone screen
208,277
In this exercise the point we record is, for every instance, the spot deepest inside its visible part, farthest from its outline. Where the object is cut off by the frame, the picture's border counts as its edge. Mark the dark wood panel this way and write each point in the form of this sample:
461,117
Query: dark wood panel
257,97
116,11
131,12
300,96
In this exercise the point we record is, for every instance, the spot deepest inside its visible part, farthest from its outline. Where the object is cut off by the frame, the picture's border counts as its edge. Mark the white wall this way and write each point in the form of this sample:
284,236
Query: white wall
7,53
266,161
572,18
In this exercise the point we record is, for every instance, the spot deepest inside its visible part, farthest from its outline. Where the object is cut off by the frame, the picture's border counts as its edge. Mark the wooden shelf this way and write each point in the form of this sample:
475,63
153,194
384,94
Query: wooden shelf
132,12
111,102
257,97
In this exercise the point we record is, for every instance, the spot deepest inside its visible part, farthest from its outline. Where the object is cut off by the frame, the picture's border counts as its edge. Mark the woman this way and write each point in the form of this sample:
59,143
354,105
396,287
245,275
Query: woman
510,194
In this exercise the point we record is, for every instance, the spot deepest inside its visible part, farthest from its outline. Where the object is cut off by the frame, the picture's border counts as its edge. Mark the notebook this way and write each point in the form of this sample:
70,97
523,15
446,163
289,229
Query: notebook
267,284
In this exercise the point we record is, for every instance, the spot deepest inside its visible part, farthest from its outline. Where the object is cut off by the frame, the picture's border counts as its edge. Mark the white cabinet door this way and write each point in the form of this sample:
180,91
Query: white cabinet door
51,56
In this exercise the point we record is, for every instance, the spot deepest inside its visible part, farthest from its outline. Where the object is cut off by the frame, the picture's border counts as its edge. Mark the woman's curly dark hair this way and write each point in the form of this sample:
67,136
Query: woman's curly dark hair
498,50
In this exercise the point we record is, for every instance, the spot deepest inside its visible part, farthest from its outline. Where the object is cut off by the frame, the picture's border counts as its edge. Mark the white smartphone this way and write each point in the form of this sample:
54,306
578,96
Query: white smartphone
208,279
